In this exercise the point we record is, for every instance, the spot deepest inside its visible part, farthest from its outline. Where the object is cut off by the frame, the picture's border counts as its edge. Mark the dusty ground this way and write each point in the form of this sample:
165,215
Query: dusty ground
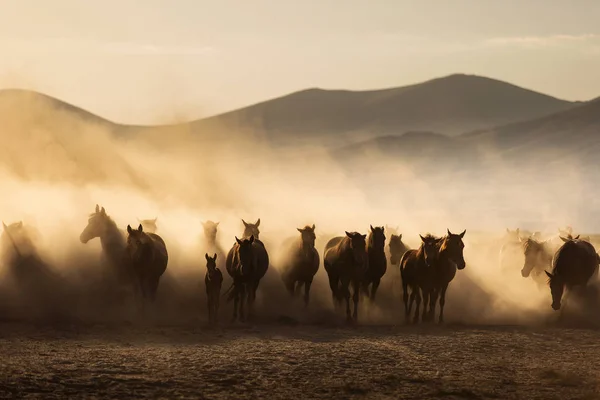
277,361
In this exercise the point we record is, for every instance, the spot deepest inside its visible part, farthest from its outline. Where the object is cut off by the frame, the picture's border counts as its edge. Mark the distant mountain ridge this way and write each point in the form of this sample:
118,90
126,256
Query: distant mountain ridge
450,105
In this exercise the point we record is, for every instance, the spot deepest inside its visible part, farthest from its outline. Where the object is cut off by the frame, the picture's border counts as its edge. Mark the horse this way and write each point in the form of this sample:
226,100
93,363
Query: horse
346,262
538,256
147,258
247,262
112,239
416,269
149,225
18,241
213,280
397,249
450,258
574,264
251,229
391,230
301,263
211,243
377,261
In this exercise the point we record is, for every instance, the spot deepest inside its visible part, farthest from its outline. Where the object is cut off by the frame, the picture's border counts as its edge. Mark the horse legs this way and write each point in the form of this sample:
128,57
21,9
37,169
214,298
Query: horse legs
374,288
216,304
307,285
243,294
426,299
345,289
334,286
435,294
442,302
355,297
405,299
289,285
236,300
416,293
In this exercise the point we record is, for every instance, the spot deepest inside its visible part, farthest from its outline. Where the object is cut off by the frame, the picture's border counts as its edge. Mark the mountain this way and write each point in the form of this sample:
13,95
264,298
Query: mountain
451,105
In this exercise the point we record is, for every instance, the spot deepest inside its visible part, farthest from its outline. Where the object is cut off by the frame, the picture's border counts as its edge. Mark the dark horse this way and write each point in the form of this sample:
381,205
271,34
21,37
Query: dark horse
301,263
345,260
147,257
417,269
450,258
247,262
112,239
213,280
377,261
575,262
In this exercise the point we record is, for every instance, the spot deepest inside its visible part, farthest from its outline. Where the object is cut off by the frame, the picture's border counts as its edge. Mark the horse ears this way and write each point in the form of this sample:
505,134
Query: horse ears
97,208
422,238
449,233
400,236
563,239
238,240
244,222
549,274
216,224
155,219
313,227
140,228
462,235
299,230
257,223
364,236
577,237
215,257
206,256
102,211
371,226
129,230
348,234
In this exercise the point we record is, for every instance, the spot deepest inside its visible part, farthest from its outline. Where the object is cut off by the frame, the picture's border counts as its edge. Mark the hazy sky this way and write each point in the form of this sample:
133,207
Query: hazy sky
161,61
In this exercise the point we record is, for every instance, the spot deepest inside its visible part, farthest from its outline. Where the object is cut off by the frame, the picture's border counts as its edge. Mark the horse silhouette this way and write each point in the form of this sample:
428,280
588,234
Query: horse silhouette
301,263
247,262
346,262
574,264
450,258
112,240
213,280
397,248
377,261
416,269
147,257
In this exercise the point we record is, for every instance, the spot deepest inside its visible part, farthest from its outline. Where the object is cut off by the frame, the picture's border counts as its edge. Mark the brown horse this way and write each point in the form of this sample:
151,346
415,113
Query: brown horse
301,263
247,262
397,249
112,239
416,269
450,258
213,280
538,256
346,262
147,257
574,264
149,225
251,229
377,261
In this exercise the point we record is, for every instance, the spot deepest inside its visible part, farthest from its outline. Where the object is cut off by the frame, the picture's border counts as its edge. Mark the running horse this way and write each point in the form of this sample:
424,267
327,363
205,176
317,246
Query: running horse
301,263
377,261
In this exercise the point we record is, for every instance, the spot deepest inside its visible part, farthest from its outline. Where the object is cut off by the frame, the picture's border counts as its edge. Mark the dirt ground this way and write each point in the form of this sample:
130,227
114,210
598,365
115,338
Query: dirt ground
303,362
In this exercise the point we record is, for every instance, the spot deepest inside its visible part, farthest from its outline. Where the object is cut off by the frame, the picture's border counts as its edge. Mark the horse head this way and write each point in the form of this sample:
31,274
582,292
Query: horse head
251,229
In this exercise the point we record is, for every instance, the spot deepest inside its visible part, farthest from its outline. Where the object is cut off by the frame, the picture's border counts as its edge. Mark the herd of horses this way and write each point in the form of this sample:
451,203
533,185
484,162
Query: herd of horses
355,263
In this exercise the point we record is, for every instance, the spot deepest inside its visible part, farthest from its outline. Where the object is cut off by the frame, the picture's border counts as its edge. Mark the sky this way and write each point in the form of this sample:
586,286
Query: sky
160,61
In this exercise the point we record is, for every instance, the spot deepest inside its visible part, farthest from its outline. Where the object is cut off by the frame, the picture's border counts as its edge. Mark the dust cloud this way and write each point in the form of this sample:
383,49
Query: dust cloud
56,164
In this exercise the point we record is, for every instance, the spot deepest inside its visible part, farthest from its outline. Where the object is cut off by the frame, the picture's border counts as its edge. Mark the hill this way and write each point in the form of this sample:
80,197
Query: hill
450,105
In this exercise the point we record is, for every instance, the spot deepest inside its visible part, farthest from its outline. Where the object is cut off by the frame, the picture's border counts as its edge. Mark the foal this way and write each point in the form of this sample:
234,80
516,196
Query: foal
213,280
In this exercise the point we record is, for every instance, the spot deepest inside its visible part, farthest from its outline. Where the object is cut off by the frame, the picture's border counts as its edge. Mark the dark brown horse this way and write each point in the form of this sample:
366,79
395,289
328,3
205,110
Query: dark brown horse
346,262
575,262
112,239
377,261
213,280
247,262
301,263
149,225
147,257
450,258
416,269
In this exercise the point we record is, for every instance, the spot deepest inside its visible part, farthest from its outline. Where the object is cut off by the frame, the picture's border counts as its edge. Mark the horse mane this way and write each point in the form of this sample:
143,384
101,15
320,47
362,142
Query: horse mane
428,236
